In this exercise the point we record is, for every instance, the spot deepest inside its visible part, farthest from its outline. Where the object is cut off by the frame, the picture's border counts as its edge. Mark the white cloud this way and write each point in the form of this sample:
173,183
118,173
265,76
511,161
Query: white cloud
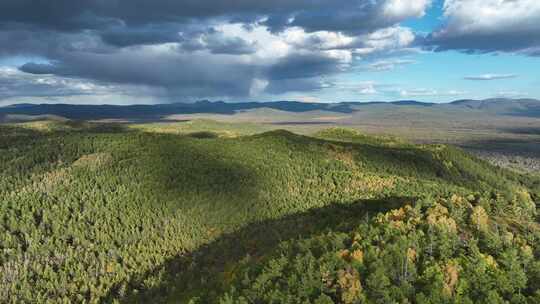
382,40
367,88
323,40
490,26
423,92
403,9
456,93
491,76
17,86
418,92
258,86
388,39
308,99
269,46
388,64
466,16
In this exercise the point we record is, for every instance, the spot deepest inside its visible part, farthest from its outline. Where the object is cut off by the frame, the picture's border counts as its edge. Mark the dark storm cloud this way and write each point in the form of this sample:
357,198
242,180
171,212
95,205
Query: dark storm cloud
86,56
117,41
75,15
229,45
313,15
38,68
363,18
48,43
192,37
277,23
129,37
280,86
216,43
303,66
180,73
190,73
351,17
486,42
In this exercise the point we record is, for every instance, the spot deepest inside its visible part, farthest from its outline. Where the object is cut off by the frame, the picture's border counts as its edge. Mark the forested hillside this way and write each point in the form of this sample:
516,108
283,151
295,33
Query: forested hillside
109,213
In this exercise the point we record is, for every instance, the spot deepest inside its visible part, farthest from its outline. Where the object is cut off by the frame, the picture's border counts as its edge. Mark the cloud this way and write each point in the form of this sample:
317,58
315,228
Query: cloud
47,44
322,40
218,67
305,66
455,93
280,86
196,49
405,9
313,15
218,42
485,77
482,26
418,92
14,83
384,40
367,88
308,99
124,36
358,17
381,41
423,92
38,68
389,64
394,90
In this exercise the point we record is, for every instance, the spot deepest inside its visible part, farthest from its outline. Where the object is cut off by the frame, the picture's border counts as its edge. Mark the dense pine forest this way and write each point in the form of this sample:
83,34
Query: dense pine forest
199,212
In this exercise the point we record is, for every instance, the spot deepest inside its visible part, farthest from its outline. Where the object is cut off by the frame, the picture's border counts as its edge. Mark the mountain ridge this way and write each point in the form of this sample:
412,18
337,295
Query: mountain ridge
498,106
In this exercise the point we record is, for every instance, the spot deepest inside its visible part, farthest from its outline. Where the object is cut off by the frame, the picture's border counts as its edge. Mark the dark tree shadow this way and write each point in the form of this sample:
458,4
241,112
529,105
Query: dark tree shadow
200,273
11,135
185,165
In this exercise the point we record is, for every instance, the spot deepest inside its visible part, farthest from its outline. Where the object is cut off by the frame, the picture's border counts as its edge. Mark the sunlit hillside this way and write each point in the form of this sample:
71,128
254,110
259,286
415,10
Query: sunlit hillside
215,213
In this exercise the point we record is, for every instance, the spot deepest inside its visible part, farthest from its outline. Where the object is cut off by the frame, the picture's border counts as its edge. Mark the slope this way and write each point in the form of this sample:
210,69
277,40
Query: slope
93,212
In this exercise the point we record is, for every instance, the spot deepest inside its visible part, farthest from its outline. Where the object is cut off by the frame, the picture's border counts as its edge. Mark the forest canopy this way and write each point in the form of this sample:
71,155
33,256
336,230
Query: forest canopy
202,213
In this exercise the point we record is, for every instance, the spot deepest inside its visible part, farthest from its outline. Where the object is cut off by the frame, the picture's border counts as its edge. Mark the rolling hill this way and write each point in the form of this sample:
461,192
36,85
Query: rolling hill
226,213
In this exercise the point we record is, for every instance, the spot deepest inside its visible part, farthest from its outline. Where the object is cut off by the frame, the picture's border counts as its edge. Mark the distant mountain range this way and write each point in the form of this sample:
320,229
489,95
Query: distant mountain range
22,112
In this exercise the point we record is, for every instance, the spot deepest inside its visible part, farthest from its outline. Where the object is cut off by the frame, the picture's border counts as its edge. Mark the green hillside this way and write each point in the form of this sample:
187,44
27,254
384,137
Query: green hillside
211,213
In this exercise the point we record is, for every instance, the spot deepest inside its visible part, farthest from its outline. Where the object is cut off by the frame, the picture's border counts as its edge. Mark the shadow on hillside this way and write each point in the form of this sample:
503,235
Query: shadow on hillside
202,273
372,155
189,166
509,146
12,135
522,130
176,165
530,111
157,112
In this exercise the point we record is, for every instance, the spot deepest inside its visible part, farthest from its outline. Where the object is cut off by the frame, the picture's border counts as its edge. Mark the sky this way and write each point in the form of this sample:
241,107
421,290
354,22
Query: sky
161,51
